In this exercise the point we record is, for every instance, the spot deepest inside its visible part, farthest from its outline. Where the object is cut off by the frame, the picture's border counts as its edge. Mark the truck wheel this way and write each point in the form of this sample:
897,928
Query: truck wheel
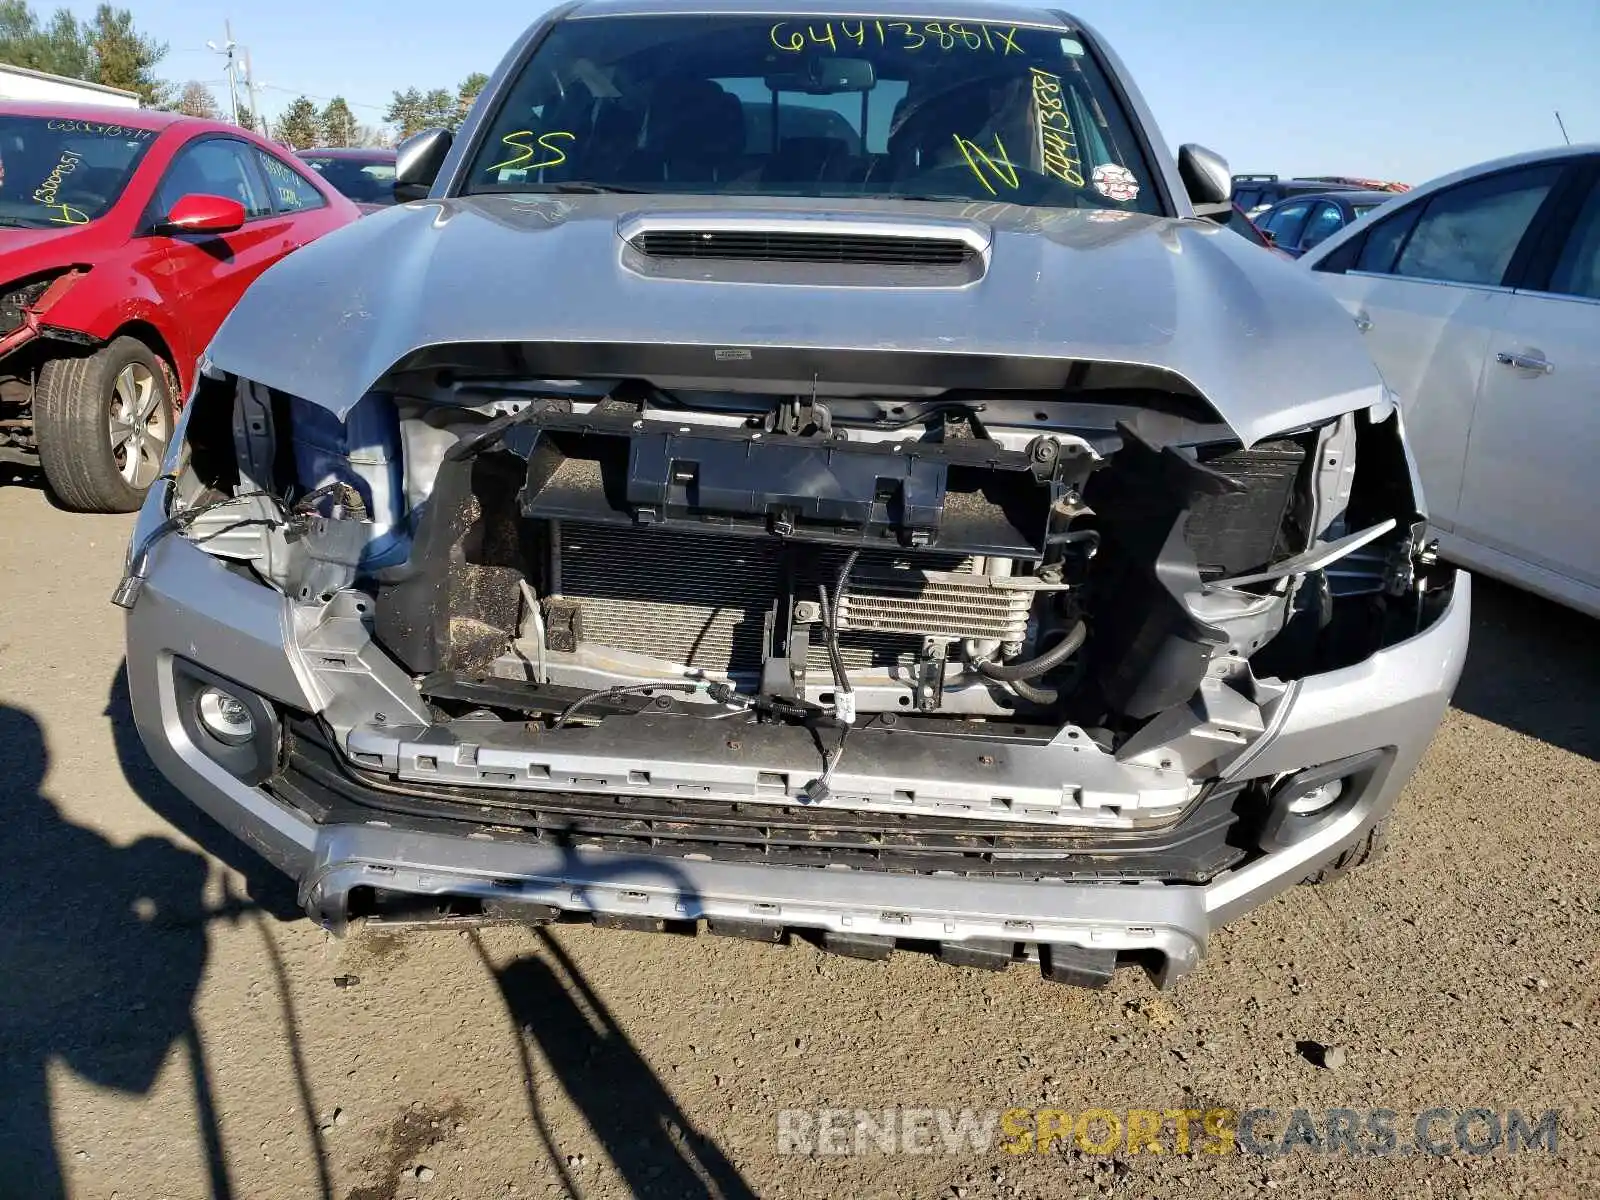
1358,854
102,423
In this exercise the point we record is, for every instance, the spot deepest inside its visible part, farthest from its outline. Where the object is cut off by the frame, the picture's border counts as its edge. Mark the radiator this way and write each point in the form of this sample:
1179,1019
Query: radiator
704,600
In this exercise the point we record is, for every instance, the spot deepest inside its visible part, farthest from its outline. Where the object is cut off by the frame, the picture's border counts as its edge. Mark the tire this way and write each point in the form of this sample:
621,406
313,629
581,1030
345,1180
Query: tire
1357,854
82,406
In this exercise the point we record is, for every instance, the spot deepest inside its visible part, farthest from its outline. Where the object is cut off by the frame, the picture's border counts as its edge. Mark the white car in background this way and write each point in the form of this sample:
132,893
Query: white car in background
1479,295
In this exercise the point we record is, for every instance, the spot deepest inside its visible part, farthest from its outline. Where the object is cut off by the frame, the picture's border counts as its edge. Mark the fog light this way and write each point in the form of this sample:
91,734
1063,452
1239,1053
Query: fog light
225,717
1317,799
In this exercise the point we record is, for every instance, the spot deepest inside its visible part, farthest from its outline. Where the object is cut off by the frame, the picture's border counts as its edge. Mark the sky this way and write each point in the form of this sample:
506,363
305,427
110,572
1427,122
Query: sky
1390,89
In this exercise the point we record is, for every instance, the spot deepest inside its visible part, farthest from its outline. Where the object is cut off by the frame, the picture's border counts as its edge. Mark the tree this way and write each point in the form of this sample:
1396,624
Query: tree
412,110
196,100
298,127
338,123
468,92
61,48
249,120
439,108
106,49
124,57
405,113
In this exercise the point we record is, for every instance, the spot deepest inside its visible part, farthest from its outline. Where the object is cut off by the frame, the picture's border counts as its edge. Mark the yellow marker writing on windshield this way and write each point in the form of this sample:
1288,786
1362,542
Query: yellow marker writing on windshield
1058,146
1000,165
528,148
65,214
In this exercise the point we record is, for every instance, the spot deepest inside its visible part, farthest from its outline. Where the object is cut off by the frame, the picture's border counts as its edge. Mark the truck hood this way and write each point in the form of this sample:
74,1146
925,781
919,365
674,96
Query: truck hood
1253,335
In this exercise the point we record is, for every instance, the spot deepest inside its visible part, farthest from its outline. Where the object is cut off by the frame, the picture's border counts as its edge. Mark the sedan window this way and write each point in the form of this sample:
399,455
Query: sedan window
1286,223
295,193
1577,272
1324,223
1384,239
214,167
1468,233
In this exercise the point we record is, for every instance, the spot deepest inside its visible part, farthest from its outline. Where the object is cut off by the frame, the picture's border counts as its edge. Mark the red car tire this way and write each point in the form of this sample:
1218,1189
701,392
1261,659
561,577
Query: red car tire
102,423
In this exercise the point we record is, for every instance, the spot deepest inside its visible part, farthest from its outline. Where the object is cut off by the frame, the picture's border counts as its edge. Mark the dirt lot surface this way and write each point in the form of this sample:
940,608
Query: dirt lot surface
170,1026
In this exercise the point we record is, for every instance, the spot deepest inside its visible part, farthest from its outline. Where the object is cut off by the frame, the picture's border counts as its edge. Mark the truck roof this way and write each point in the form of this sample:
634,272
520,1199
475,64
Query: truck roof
994,12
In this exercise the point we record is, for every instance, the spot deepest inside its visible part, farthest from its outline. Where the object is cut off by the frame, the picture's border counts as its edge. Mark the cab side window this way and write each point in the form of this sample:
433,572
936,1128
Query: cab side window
214,167
292,190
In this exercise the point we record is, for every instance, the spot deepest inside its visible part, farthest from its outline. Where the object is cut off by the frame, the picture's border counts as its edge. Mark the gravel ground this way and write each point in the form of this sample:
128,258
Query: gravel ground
169,1026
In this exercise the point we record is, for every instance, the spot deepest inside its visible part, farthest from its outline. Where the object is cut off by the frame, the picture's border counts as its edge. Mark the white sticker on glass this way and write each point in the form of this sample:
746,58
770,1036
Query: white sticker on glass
1115,182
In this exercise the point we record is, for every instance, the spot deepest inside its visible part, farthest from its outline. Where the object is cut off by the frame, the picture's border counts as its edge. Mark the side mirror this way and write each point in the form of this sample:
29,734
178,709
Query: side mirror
417,161
1205,176
201,213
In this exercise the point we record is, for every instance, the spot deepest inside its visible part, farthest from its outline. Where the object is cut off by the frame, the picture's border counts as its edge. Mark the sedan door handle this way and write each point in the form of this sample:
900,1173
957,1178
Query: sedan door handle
1525,362
1363,322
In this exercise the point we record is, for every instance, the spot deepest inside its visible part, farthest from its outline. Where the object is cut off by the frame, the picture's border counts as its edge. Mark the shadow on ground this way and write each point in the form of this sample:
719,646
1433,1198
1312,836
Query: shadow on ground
1533,667
651,1142
633,1115
102,949
31,478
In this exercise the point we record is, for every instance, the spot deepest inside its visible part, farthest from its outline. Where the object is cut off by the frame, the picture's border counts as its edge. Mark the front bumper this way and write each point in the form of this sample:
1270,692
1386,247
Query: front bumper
193,608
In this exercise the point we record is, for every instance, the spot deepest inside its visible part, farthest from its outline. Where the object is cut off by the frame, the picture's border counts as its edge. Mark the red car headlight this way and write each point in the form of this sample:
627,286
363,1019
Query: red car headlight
19,298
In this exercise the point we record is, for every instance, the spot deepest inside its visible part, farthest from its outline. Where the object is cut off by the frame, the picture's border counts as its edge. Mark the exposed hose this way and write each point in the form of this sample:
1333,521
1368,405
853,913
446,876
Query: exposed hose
1035,667
1044,697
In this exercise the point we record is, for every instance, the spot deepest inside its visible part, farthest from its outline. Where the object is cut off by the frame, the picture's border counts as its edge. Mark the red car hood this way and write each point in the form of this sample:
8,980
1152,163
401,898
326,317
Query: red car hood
26,251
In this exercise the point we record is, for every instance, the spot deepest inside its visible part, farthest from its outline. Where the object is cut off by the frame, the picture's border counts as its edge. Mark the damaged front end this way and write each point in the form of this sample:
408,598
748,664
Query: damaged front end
1042,632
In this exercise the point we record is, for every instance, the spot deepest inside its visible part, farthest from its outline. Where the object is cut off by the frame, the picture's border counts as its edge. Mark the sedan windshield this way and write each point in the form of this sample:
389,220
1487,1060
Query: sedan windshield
816,106
56,172
363,182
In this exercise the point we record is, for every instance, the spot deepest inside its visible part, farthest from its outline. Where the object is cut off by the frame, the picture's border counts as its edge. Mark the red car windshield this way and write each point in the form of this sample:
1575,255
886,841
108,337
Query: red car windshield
807,105
56,172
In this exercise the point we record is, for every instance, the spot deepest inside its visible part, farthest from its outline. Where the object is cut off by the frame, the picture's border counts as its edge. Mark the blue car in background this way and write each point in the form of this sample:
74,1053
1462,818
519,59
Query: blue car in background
1297,224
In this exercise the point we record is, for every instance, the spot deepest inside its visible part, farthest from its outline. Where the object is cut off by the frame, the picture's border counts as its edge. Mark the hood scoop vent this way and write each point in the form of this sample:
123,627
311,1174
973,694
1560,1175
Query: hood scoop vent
815,246
825,248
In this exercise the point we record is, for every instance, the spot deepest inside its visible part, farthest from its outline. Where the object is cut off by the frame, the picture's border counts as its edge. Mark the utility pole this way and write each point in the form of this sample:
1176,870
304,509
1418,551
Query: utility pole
250,82
1563,125
226,50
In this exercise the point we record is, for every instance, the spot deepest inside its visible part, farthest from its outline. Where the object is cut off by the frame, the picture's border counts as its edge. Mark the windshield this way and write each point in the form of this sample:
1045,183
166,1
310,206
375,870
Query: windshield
813,106
56,172
363,182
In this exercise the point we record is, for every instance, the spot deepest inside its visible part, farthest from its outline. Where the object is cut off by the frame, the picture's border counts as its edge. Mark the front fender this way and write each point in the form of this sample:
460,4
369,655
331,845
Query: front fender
100,309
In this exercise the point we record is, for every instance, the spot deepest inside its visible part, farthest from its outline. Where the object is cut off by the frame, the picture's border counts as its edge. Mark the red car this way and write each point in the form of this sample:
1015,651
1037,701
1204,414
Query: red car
125,238
364,174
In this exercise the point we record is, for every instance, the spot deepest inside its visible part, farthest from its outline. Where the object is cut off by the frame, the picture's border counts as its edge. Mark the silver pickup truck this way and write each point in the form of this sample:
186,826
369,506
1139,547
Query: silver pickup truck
821,471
